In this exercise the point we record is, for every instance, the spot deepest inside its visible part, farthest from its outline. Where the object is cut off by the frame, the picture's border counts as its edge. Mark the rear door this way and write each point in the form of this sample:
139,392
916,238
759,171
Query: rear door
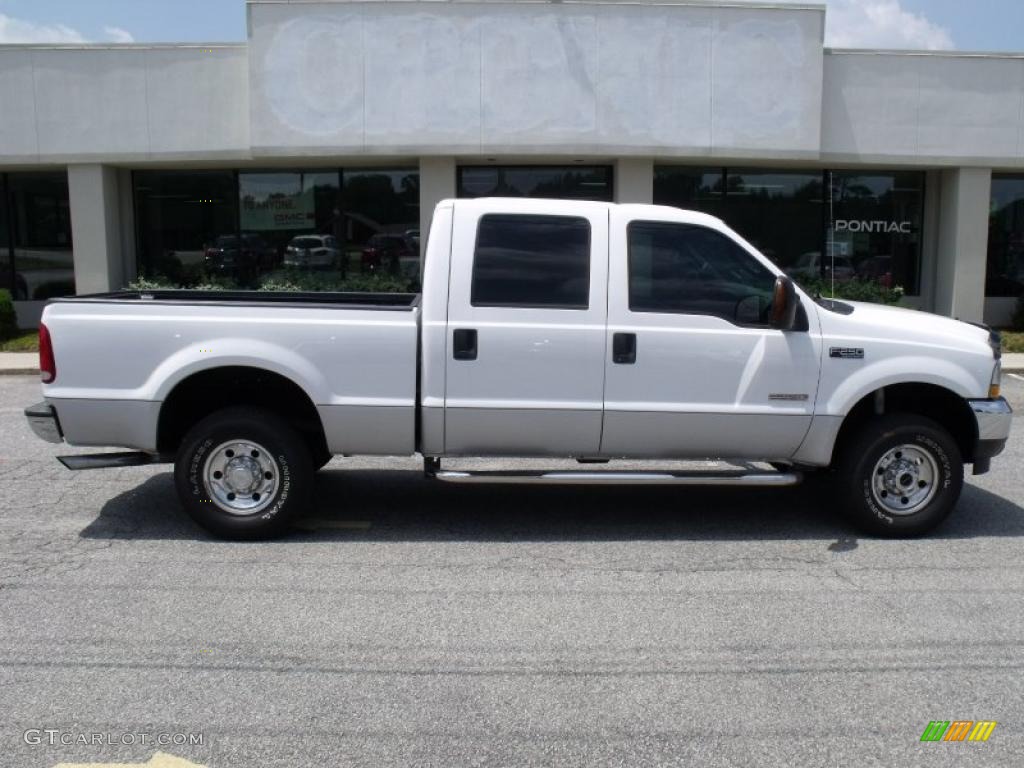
526,329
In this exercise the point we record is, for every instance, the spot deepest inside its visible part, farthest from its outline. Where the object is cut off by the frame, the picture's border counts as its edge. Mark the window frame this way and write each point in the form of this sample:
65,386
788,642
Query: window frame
473,302
691,226
605,168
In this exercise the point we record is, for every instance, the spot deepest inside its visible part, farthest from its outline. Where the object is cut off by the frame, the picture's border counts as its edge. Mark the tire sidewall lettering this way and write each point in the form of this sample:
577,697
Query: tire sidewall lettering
198,457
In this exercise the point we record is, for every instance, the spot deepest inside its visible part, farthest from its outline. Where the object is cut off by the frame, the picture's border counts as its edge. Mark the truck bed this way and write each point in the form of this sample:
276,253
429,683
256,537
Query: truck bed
121,355
391,301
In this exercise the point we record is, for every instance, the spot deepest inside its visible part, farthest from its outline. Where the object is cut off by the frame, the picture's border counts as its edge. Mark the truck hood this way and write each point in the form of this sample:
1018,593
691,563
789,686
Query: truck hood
905,326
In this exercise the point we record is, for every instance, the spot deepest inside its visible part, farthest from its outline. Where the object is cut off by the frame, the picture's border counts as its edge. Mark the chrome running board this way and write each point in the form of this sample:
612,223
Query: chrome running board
741,479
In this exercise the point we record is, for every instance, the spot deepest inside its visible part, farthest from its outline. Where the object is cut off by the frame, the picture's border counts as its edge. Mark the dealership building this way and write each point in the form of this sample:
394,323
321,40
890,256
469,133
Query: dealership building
338,126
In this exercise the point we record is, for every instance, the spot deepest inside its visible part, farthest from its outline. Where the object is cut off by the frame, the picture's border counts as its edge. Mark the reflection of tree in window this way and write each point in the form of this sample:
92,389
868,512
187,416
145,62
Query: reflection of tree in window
1005,273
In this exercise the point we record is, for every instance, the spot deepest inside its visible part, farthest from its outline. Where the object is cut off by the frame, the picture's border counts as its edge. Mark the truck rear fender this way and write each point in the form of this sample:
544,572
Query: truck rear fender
212,389
247,353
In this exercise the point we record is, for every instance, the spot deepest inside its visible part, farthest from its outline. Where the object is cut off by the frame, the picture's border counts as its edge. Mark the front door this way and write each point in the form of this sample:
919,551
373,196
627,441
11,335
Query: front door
692,367
526,331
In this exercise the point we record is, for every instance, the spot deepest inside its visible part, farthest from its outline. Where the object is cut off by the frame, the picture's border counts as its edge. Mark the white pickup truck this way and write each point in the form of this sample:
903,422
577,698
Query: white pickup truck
546,328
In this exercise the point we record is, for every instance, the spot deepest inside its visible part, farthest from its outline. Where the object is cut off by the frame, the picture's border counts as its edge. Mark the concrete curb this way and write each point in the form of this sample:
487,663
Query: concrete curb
19,363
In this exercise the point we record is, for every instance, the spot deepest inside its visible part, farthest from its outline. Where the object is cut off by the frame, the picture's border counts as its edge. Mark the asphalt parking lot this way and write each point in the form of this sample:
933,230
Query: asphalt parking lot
411,623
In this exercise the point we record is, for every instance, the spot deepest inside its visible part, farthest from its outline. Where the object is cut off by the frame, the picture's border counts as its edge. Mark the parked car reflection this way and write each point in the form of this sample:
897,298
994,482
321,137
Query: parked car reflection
809,267
230,256
877,269
313,251
394,253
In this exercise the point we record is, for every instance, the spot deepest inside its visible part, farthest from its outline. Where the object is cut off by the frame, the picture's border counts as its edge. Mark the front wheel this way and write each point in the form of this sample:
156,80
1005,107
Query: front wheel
243,473
900,476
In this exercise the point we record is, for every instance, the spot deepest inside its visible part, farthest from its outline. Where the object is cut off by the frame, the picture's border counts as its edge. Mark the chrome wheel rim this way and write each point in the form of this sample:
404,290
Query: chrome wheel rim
241,477
905,480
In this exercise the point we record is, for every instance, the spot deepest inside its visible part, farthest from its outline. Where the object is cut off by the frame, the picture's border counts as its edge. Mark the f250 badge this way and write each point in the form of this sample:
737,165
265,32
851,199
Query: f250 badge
846,353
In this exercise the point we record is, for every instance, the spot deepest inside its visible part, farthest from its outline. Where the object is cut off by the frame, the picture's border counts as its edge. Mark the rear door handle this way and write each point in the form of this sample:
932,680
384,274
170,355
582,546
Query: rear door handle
464,344
624,348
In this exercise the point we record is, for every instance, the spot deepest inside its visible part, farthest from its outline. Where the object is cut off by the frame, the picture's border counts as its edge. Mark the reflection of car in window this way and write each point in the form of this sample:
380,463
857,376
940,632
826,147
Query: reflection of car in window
393,253
877,269
227,255
314,251
809,267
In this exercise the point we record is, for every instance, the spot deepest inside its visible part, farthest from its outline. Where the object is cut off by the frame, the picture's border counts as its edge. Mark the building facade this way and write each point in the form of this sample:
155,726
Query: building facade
322,144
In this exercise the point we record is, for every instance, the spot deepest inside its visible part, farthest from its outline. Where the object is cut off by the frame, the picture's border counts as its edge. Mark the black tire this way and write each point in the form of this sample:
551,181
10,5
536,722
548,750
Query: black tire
927,477
321,459
286,458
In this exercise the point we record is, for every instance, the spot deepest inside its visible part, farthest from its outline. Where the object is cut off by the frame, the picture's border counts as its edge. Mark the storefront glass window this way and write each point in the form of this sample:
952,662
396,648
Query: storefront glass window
315,229
567,182
381,209
179,217
37,224
868,226
7,278
778,212
696,189
875,223
288,220
1005,274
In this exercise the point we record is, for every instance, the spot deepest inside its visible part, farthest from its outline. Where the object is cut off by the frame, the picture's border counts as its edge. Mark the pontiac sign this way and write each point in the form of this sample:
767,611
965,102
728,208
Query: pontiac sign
882,227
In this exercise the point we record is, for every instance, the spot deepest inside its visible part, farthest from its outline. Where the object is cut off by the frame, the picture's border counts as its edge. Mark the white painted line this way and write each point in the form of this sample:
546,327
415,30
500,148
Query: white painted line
1016,376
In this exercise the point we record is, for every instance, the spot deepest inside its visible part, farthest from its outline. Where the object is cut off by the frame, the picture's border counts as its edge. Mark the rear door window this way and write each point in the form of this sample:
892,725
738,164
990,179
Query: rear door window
529,260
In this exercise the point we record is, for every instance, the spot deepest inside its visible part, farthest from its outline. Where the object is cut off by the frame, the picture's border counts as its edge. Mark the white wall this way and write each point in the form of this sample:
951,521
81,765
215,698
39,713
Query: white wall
94,199
963,243
923,109
122,103
470,78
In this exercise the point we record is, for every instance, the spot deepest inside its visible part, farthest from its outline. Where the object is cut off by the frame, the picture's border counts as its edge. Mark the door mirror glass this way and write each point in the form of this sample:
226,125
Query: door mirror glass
785,303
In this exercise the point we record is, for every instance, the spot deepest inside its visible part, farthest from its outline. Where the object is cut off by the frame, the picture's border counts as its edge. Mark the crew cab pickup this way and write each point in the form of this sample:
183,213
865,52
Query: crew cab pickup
546,328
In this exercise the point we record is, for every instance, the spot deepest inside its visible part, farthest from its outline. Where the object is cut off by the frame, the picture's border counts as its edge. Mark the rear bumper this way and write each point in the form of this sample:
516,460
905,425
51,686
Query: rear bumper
994,418
42,418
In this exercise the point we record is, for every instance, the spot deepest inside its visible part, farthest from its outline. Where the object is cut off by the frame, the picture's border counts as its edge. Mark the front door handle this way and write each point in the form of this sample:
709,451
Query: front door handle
464,344
624,348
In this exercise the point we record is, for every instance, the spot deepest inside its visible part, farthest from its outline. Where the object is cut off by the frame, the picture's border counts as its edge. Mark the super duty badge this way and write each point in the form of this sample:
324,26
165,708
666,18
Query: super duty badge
846,353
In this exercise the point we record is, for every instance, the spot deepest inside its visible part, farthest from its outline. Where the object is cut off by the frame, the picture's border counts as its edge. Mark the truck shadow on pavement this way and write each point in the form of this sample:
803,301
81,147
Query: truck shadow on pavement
403,506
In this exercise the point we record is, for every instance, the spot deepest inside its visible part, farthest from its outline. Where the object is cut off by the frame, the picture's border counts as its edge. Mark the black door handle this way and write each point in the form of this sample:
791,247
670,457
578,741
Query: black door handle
464,344
624,348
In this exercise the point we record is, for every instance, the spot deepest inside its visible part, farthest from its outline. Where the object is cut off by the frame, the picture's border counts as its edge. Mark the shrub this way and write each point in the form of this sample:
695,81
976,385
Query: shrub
8,320
854,290
295,280
161,283
289,280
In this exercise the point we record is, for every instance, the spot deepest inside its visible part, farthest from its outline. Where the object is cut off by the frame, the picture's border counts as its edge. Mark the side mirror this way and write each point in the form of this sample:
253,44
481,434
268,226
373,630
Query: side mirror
785,303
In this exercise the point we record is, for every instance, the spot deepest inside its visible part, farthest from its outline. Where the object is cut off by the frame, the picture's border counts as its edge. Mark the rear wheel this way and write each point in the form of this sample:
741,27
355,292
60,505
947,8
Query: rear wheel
900,476
243,473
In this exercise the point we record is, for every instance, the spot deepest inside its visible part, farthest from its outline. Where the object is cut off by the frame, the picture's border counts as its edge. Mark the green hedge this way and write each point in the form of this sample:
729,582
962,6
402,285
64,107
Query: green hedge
291,280
8,320
853,290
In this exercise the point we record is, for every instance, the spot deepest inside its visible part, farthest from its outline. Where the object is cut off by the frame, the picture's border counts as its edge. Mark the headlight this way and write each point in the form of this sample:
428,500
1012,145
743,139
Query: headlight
997,378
